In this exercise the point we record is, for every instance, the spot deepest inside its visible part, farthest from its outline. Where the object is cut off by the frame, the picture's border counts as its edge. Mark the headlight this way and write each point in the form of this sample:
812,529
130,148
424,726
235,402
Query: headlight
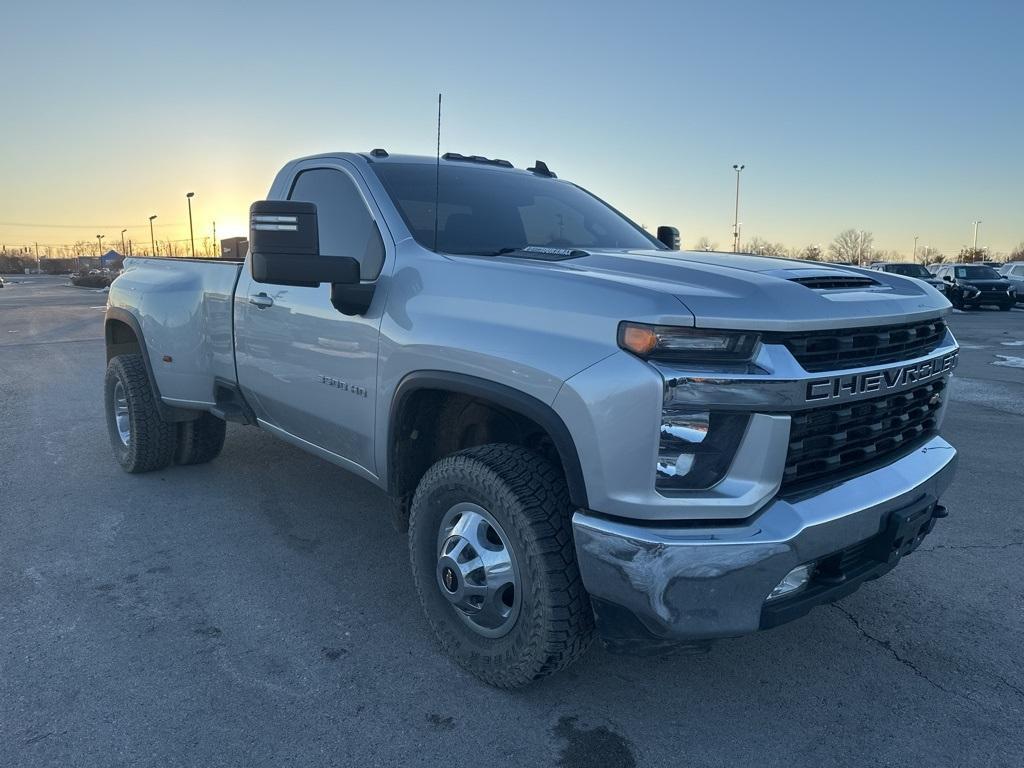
672,343
696,448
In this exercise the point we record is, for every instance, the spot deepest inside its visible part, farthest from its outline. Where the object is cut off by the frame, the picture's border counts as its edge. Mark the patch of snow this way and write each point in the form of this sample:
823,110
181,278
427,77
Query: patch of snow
1006,361
1012,343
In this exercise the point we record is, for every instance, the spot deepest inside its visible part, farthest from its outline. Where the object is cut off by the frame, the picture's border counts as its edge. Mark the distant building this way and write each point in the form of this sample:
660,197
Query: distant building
234,248
111,260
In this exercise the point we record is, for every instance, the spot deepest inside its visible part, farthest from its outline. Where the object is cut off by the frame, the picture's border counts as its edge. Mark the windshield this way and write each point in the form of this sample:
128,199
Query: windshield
483,210
976,273
909,270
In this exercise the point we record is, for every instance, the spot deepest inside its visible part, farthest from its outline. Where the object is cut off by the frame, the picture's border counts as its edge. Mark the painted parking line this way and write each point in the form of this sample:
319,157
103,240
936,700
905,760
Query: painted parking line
1008,361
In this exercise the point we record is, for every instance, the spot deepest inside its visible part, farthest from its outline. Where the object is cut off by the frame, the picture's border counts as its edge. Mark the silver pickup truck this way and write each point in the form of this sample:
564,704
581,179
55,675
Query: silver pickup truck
584,430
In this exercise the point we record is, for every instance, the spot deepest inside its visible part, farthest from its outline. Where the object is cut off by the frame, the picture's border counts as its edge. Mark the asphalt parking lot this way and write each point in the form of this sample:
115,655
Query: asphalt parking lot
259,610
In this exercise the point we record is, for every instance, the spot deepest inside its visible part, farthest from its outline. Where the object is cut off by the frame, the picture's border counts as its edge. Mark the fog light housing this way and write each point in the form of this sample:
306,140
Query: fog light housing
696,448
793,582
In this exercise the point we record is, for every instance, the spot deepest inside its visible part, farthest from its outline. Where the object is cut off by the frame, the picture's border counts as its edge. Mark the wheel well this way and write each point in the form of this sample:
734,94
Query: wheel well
121,339
431,423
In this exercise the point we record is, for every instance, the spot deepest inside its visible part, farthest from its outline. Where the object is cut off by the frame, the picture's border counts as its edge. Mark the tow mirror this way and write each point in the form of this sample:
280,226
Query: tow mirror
284,243
669,236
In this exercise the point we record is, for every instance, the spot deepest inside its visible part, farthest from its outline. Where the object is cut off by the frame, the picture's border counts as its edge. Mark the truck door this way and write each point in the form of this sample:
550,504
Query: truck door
309,371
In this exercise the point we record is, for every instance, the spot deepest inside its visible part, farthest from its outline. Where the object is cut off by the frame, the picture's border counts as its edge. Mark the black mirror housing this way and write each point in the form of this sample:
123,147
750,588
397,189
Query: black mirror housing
284,243
283,226
669,236
303,271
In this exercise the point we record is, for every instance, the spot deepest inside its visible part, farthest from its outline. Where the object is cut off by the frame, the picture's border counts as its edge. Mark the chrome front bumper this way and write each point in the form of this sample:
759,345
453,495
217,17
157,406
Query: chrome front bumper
685,583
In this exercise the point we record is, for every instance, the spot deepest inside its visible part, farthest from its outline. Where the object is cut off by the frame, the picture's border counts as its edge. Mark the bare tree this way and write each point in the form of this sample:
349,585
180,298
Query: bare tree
705,244
929,255
969,255
852,245
761,247
1017,254
811,253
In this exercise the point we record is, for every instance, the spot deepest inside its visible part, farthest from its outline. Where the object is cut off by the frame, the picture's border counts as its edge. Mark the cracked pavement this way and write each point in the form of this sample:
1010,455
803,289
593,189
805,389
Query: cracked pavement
258,610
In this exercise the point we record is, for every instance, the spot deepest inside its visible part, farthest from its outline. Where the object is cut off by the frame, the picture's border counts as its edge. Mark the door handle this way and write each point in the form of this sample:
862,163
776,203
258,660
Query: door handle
261,300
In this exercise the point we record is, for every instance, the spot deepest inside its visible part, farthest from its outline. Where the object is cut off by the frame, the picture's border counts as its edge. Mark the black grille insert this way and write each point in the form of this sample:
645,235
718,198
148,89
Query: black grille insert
832,283
844,348
831,443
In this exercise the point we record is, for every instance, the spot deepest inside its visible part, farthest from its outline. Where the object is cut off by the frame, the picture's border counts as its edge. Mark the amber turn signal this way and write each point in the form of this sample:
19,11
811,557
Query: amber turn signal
638,339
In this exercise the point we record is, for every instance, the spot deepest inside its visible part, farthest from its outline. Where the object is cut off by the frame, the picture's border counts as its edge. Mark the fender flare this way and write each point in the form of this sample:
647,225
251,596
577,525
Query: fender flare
167,412
507,397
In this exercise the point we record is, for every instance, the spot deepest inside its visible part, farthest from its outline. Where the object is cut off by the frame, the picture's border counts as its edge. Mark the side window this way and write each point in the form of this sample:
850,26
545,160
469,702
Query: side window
346,226
1019,270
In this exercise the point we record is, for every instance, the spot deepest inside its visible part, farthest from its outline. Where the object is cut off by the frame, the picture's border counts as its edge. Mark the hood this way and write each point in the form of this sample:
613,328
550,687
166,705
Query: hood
725,290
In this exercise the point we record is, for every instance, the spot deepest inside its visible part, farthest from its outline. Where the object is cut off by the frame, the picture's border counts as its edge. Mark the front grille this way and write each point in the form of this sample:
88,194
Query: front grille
844,348
831,443
835,283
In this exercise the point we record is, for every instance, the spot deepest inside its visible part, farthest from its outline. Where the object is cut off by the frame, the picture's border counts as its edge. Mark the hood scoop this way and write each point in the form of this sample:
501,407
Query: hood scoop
835,282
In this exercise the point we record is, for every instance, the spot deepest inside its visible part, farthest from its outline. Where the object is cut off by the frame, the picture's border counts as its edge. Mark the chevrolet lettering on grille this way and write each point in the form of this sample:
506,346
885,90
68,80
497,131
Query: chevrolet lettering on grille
853,385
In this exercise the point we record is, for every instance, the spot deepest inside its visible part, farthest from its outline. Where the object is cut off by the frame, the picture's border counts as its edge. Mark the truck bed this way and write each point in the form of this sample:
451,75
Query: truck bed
184,309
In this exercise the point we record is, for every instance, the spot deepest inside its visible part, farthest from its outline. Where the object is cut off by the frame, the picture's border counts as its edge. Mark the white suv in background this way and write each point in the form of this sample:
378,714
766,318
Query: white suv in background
1014,272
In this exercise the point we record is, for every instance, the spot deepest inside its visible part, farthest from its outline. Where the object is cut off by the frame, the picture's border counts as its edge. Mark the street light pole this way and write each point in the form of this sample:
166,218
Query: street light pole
123,251
915,249
189,196
152,240
976,223
99,249
736,215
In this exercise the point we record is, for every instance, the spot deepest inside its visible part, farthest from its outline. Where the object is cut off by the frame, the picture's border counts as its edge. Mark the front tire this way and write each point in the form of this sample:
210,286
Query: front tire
493,560
141,439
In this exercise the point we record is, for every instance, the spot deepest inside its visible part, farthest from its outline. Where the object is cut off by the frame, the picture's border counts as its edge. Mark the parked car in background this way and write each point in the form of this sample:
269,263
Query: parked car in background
92,279
1,282
1014,272
977,285
907,269
934,268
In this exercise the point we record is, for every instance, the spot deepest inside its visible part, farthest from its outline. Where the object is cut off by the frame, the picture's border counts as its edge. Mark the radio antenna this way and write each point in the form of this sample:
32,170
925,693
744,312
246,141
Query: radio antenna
437,170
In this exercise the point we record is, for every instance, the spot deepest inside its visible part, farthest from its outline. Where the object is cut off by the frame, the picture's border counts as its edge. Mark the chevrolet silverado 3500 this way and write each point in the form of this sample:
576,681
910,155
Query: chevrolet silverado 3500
583,430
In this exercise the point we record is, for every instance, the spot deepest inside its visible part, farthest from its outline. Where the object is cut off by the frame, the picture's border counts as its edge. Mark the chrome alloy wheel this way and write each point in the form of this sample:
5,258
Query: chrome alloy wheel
121,417
477,570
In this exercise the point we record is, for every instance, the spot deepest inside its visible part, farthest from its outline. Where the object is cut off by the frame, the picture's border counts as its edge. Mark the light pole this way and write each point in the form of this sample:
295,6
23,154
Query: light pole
152,240
736,216
915,249
189,196
976,223
123,251
99,249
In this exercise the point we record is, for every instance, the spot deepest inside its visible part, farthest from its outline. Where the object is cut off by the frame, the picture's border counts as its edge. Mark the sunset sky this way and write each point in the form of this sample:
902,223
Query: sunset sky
901,118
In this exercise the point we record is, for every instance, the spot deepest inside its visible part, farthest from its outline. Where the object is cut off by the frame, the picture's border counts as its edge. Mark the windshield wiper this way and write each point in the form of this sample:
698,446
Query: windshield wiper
539,252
